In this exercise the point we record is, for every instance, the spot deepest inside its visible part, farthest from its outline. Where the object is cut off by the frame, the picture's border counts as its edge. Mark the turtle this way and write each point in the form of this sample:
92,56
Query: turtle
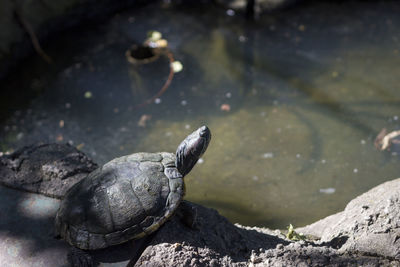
127,198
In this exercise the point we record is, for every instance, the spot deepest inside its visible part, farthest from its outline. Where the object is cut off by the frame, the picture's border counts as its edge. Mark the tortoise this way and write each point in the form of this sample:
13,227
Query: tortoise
129,197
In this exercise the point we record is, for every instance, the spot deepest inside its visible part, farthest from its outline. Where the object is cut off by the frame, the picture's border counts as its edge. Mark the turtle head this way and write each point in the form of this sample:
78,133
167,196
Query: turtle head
191,149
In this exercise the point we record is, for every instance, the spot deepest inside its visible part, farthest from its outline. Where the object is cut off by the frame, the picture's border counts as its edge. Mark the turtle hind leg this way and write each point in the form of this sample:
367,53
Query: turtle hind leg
187,214
79,258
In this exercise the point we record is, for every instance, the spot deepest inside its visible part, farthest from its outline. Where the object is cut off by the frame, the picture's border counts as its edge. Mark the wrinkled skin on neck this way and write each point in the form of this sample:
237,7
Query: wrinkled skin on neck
191,149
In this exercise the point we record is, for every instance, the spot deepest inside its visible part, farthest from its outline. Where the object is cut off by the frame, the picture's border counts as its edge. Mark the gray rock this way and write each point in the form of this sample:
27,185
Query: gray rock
364,234
49,168
370,223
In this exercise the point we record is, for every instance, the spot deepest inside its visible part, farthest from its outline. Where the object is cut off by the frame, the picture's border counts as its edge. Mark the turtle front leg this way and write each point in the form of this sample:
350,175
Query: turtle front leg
187,214
79,258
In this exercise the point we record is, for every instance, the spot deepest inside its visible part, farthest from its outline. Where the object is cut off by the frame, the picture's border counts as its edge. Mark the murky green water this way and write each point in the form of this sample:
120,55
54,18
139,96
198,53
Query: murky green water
308,90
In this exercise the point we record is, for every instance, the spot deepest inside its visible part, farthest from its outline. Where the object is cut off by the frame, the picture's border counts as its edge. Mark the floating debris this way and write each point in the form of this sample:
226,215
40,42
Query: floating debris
328,191
61,124
268,155
80,146
183,102
141,54
88,94
242,38
176,66
228,95
154,40
225,107
67,105
230,12
302,28
355,170
383,141
157,100
143,120
59,138
20,136
154,35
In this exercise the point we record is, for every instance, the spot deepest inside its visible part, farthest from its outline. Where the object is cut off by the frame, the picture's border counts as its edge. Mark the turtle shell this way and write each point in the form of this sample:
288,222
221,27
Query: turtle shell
127,198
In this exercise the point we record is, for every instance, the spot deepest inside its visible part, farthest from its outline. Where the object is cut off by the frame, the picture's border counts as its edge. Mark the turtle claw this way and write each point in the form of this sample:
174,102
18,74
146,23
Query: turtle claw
79,258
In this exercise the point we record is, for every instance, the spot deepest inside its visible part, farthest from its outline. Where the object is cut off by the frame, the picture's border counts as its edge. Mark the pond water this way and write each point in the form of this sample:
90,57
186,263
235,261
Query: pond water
294,102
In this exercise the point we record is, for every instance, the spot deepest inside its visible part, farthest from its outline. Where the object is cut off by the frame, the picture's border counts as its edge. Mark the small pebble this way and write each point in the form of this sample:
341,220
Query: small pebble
355,170
187,126
363,142
200,161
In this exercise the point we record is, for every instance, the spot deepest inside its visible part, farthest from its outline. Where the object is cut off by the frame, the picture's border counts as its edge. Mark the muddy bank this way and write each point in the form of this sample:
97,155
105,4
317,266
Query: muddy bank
366,233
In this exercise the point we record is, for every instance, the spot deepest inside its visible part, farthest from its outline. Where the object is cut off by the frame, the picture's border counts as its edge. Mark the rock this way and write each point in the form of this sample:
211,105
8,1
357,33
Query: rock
364,234
45,167
370,223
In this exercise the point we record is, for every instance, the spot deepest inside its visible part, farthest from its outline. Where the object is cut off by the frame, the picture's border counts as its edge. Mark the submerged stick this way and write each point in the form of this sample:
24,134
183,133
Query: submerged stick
35,42
166,84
